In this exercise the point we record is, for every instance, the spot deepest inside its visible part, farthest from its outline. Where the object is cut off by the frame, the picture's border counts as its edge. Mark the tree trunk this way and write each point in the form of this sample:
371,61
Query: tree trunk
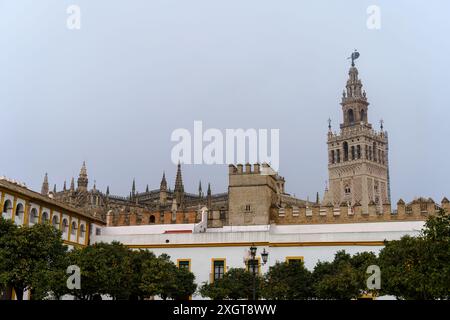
19,293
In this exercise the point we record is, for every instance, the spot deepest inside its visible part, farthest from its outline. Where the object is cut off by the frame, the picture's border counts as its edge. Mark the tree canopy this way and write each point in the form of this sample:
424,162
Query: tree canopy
419,267
288,280
36,259
30,257
235,284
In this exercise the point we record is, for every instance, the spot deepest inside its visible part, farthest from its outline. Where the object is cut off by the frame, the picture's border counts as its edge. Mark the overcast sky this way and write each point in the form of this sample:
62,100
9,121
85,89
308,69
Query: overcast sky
112,92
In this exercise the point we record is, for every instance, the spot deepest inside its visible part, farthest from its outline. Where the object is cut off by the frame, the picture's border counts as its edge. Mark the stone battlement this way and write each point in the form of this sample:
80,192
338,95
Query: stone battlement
147,218
257,168
239,168
418,209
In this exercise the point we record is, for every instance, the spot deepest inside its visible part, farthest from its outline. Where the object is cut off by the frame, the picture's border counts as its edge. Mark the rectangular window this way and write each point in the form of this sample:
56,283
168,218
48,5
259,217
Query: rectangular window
98,231
218,268
294,259
184,264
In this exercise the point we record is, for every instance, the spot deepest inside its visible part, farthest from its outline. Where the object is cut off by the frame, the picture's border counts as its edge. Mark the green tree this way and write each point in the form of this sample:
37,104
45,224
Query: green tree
28,255
185,284
162,278
360,262
105,270
418,267
214,290
138,258
343,278
237,283
7,229
288,281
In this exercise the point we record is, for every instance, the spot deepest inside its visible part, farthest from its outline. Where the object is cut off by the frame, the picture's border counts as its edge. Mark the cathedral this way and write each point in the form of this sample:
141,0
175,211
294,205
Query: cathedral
209,234
358,188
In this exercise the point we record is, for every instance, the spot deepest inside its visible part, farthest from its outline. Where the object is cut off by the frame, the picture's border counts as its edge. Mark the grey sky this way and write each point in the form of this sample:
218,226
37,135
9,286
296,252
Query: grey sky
113,92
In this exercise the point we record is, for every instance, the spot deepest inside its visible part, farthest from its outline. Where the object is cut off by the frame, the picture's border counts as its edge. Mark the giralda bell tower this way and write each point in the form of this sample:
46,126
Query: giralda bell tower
358,155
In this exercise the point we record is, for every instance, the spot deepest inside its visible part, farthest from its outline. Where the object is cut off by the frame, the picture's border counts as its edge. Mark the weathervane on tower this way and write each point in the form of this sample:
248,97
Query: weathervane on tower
354,56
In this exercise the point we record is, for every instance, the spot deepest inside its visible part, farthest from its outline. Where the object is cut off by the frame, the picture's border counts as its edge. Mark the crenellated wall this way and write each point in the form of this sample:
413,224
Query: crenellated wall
124,218
418,209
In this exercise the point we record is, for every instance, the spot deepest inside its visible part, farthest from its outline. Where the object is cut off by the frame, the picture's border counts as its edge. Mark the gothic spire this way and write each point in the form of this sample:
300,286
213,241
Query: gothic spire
179,180
179,188
44,189
107,190
208,197
354,101
200,192
163,185
64,187
72,185
354,85
133,188
83,178
146,189
83,170
54,188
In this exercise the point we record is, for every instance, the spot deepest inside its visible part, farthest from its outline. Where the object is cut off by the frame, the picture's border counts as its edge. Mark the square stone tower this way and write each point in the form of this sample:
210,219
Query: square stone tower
251,194
358,155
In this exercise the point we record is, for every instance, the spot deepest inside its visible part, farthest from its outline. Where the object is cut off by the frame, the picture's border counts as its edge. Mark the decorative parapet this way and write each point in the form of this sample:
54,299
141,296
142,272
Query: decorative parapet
419,209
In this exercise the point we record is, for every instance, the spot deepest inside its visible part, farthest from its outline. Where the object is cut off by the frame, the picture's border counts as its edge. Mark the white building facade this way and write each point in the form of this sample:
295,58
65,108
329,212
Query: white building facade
210,252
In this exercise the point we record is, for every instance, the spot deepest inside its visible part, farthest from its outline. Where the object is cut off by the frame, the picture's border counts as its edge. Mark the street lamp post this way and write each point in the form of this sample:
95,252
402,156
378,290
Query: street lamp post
253,262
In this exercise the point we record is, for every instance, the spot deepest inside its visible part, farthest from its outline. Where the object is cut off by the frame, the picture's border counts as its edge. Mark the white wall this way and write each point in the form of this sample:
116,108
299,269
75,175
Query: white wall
312,242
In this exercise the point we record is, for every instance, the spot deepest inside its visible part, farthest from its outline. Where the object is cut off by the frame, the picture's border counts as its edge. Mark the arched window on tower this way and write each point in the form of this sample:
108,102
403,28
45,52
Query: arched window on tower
332,160
358,151
345,151
353,153
152,219
370,153
350,116
347,189
338,156
362,115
